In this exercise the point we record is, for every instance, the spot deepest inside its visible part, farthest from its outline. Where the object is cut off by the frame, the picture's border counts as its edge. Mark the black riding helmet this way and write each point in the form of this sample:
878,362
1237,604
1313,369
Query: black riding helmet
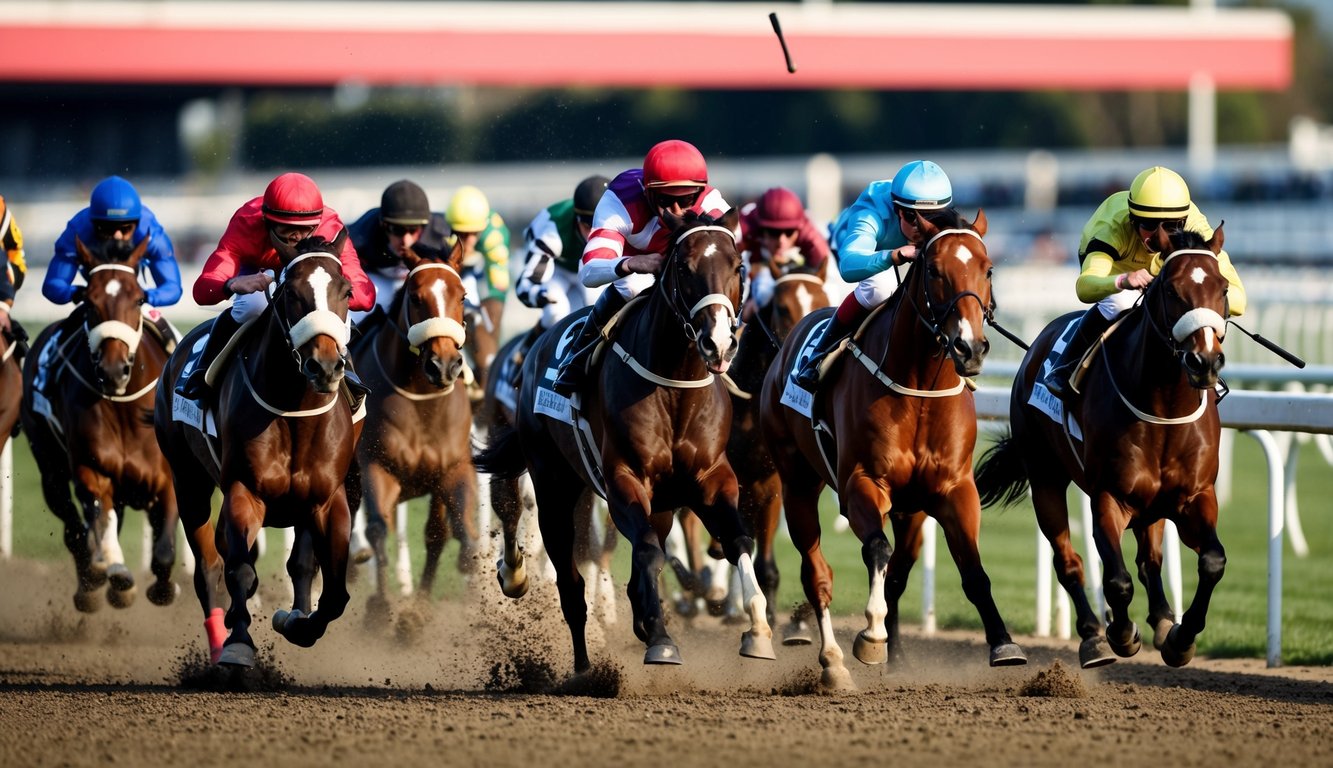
586,195
403,202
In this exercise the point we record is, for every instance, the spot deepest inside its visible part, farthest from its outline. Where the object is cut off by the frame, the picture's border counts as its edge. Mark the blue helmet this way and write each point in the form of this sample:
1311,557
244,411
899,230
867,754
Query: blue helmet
923,186
114,199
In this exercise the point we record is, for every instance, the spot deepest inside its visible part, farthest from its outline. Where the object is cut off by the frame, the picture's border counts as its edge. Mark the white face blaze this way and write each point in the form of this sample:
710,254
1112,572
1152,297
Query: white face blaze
963,254
319,283
965,331
710,250
721,327
437,290
806,299
113,288
1198,275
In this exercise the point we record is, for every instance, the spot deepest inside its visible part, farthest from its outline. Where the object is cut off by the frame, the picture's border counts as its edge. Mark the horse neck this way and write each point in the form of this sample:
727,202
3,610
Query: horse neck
1144,366
914,354
755,354
657,340
267,359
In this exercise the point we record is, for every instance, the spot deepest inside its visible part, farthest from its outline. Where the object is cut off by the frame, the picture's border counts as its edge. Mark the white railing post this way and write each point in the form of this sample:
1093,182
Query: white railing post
1276,519
404,552
1044,568
928,531
7,500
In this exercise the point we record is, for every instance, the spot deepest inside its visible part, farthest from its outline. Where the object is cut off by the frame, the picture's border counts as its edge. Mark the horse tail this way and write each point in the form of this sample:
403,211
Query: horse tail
503,455
1000,475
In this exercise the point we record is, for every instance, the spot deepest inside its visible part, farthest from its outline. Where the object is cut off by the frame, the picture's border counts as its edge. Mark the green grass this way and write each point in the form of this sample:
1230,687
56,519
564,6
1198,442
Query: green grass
1236,620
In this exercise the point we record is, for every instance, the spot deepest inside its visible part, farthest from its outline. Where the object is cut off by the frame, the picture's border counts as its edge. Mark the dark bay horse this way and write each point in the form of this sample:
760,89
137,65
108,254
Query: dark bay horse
1144,443
657,419
796,293
284,448
416,439
893,432
88,412
593,549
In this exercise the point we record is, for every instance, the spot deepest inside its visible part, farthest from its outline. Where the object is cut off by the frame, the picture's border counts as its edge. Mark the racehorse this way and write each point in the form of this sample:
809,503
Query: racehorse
284,447
892,431
796,293
87,409
11,389
657,420
1141,441
416,439
592,551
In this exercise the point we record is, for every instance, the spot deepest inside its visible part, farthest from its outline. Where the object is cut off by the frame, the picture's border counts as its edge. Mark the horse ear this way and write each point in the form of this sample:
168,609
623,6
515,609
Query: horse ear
85,255
455,259
731,220
138,252
286,251
338,242
672,221
1215,244
979,223
411,259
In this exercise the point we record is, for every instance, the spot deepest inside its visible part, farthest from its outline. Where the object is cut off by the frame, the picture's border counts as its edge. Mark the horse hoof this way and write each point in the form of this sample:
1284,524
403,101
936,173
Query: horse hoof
120,577
1094,652
1129,647
513,581
121,598
362,555
282,620
755,646
868,651
1160,631
687,607
163,592
1007,655
665,653
87,601
237,655
94,576
836,679
377,610
1172,653
797,633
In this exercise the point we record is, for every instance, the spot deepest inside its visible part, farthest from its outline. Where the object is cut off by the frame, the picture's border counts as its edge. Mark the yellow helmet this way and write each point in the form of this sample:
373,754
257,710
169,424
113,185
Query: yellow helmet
468,210
1159,193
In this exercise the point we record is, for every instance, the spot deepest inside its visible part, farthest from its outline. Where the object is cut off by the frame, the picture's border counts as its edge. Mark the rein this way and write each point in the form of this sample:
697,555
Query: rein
932,319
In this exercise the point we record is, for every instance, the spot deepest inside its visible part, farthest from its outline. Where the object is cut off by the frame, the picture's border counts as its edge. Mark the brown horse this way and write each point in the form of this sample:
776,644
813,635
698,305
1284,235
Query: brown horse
893,431
796,293
88,409
286,435
1141,441
416,439
652,430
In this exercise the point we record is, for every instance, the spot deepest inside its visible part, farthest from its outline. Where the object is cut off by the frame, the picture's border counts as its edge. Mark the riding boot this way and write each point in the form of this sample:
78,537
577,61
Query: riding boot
1090,326
847,319
19,336
574,365
356,389
193,386
371,323
159,326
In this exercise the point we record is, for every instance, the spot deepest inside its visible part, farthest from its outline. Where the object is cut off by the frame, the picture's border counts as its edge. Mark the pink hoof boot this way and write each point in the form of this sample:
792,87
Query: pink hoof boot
216,630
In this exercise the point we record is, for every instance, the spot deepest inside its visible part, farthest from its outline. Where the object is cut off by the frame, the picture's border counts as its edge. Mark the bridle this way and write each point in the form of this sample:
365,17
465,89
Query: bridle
1189,322
319,321
433,327
673,275
933,317
113,329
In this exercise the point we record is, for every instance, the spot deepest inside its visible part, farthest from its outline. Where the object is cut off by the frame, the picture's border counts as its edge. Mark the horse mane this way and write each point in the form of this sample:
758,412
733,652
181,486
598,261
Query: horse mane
1187,240
946,218
314,244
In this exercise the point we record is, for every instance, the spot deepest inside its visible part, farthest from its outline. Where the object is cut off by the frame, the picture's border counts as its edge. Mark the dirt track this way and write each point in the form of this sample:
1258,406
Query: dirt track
446,689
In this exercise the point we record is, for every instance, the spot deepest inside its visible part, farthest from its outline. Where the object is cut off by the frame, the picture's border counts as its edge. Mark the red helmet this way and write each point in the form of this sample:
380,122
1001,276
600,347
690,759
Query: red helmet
293,198
779,208
674,163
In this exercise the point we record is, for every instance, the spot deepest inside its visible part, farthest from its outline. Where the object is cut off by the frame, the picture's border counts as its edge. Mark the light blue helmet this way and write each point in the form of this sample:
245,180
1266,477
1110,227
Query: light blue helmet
114,199
923,186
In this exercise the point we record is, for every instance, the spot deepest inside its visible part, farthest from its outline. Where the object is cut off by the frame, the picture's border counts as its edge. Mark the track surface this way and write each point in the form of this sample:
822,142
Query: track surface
453,685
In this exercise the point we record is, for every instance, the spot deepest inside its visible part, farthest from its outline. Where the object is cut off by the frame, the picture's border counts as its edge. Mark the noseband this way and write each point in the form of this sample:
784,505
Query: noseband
319,321
673,293
933,318
435,326
113,329
1190,321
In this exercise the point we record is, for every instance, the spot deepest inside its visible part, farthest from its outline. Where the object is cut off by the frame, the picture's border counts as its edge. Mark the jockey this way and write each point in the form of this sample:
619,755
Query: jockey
485,268
629,239
879,231
11,279
555,240
384,235
1118,263
776,230
241,268
118,219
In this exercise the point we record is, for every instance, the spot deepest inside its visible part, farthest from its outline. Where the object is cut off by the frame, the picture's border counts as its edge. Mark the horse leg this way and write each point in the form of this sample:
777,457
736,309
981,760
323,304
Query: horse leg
242,517
55,489
907,537
381,490
676,546
1049,501
959,515
720,514
163,516
507,504
766,509
1149,559
1117,584
1198,530
605,587
864,503
328,538
557,492
460,485
194,497
800,500
104,518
